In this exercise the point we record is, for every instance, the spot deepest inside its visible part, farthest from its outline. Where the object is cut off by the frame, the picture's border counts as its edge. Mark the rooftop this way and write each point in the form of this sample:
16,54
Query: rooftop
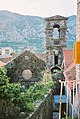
70,70
1,63
68,57
70,75
57,17
41,56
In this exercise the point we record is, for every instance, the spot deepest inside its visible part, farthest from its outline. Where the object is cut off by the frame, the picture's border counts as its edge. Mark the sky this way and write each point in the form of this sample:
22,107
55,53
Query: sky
43,8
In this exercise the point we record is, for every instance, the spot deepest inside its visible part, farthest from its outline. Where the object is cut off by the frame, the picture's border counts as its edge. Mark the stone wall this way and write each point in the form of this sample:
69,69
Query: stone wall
55,44
45,109
25,61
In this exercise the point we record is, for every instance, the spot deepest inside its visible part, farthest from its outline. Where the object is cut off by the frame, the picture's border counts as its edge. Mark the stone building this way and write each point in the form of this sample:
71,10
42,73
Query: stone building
26,67
56,36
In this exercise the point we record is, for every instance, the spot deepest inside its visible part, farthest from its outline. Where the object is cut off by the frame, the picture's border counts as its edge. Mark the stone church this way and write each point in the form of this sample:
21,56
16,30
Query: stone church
25,67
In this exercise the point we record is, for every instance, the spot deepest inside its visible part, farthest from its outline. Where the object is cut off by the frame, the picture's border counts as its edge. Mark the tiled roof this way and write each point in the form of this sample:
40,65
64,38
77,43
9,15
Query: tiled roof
68,57
6,59
70,70
70,75
41,56
1,63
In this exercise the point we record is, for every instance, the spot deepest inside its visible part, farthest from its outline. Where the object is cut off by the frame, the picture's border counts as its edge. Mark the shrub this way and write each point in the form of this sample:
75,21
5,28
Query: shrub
69,117
17,100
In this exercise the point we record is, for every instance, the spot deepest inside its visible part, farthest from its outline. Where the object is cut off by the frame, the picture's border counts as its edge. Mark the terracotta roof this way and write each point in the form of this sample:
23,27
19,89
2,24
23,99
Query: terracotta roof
41,56
6,59
1,63
70,75
68,57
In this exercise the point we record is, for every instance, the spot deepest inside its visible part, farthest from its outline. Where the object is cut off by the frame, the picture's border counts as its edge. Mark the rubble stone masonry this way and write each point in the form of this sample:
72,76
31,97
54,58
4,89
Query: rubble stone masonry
25,61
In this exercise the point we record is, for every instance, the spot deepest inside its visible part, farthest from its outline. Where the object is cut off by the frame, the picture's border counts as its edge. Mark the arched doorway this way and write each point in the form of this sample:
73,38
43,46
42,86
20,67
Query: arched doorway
55,69
56,73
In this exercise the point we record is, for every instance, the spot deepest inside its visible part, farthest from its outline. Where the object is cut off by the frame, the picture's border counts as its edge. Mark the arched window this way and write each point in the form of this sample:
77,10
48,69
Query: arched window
56,32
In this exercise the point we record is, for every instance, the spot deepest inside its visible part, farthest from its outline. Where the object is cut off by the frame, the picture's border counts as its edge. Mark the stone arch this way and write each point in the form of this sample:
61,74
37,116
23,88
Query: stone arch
56,26
55,69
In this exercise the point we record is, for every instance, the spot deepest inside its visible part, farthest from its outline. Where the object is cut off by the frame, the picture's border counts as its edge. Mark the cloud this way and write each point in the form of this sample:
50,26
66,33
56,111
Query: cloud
40,7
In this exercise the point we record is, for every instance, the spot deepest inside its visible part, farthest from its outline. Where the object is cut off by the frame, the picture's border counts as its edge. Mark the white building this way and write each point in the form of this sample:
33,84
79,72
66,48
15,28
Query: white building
6,51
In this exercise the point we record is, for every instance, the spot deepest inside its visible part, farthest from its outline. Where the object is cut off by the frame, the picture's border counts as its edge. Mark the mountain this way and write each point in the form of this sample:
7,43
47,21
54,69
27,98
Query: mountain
71,31
20,32
24,31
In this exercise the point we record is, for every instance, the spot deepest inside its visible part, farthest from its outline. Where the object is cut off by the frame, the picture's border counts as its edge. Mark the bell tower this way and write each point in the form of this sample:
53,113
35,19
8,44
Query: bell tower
56,36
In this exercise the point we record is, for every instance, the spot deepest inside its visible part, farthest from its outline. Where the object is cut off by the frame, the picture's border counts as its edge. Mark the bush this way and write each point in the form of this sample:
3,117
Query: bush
17,100
4,80
69,118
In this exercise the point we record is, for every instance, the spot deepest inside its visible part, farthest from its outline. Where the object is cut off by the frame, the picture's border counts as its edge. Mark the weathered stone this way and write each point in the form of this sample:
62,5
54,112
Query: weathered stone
26,74
45,109
53,44
25,60
78,1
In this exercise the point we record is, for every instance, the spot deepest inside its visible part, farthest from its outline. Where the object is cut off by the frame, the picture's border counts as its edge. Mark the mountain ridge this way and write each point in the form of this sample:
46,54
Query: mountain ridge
24,31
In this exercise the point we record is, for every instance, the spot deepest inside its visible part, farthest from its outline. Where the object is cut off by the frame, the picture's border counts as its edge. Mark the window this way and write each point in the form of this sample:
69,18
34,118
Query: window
77,88
7,51
72,96
55,33
56,60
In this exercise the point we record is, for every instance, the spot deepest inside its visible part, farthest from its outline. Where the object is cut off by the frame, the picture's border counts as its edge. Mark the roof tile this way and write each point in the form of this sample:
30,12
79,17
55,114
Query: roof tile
1,63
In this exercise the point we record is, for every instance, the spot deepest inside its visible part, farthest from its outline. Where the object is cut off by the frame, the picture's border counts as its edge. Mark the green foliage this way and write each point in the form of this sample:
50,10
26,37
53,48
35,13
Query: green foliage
20,98
4,80
13,94
38,91
69,118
